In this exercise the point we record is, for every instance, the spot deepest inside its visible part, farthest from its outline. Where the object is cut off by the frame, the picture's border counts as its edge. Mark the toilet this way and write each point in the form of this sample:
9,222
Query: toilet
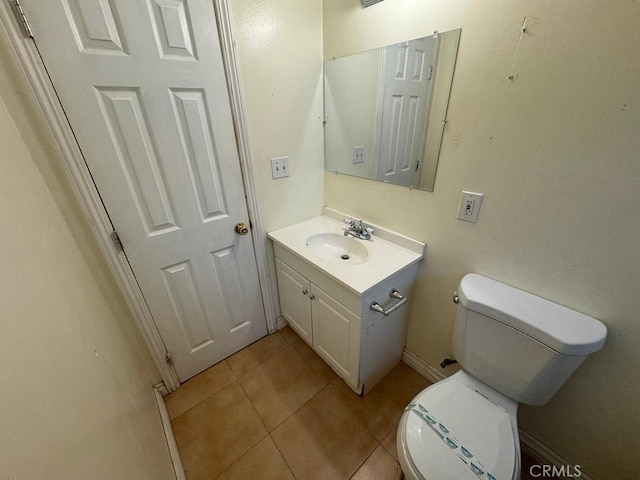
513,348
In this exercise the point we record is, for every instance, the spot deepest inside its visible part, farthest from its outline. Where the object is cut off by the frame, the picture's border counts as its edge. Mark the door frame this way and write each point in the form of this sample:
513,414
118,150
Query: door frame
86,192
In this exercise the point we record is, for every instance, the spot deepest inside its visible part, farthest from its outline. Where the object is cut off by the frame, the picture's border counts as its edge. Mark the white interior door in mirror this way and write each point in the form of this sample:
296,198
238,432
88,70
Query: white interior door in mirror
144,89
408,74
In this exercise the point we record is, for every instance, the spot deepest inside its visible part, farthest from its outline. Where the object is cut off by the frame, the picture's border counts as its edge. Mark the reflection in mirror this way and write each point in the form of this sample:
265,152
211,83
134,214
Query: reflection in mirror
385,110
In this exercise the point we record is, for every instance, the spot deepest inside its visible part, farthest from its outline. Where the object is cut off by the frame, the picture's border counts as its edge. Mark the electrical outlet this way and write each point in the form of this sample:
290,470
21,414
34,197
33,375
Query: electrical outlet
280,167
469,206
358,154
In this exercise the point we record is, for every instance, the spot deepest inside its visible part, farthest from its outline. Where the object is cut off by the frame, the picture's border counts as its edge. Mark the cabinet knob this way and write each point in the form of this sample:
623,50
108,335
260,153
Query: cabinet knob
305,291
312,296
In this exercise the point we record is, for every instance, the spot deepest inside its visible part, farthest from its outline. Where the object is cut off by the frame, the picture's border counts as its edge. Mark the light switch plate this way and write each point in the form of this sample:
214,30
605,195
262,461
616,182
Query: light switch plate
280,167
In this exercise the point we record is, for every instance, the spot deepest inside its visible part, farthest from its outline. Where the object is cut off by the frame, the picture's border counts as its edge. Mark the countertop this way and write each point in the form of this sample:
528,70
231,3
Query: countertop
388,252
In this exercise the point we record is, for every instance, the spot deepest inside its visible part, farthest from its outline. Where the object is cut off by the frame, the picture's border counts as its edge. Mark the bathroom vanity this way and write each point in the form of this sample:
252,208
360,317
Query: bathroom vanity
347,298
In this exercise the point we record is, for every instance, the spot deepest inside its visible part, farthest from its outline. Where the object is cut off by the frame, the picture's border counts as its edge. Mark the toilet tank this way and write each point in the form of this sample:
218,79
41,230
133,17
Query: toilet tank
521,345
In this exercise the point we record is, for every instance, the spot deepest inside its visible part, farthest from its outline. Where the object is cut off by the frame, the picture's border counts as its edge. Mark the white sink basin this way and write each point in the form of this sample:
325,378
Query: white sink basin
320,241
337,248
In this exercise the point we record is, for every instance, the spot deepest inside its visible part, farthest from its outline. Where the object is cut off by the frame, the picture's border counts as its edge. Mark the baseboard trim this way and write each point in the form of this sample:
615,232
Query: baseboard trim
423,368
162,388
178,469
545,456
281,323
529,444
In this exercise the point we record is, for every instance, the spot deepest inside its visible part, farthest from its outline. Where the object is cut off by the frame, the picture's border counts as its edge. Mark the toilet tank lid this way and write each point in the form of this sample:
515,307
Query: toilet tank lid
560,328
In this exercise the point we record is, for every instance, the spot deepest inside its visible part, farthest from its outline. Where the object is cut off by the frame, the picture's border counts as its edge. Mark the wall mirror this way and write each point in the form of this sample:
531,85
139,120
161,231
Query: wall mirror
385,110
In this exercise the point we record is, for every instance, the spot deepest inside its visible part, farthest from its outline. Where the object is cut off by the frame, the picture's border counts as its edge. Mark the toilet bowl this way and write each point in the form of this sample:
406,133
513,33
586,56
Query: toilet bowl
513,348
473,436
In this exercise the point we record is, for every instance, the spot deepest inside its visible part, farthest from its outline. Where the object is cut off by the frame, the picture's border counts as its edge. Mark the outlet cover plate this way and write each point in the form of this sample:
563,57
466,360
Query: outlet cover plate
469,207
358,154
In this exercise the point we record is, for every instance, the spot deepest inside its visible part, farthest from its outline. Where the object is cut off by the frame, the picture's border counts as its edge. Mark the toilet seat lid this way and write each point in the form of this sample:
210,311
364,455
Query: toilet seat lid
483,428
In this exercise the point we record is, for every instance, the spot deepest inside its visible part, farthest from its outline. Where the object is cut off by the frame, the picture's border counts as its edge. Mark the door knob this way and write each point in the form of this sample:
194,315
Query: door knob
241,228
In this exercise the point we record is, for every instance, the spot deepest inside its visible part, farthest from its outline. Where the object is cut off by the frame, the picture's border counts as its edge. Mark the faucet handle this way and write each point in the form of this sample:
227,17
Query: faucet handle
352,222
370,230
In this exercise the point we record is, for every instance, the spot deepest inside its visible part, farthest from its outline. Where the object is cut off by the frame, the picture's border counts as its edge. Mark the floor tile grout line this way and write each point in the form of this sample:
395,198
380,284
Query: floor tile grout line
253,407
261,363
284,459
256,414
211,394
365,460
350,410
274,440
236,375
300,339
296,410
243,455
288,343
354,413
292,413
340,400
256,443
308,364
385,448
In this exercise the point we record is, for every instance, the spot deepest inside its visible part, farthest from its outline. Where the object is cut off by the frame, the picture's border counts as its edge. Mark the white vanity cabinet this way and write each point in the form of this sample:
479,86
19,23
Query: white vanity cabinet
327,298
360,345
324,323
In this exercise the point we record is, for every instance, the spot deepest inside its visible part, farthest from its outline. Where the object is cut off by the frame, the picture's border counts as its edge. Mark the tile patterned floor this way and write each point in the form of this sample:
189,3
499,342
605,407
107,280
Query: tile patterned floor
276,411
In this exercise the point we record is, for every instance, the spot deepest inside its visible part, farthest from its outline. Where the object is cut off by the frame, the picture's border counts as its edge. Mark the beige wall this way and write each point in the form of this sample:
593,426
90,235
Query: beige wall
279,54
556,154
76,400
351,97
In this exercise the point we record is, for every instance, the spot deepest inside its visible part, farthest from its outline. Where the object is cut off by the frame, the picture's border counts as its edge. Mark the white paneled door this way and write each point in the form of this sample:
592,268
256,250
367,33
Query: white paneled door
143,85
408,71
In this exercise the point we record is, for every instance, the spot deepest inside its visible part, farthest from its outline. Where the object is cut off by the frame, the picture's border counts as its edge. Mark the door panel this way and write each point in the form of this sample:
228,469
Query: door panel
188,305
125,121
407,96
144,88
171,29
195,136
95,25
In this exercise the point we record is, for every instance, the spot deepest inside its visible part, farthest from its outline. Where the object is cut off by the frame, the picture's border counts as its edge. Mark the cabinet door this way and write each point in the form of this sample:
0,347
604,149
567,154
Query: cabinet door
294,300
336,335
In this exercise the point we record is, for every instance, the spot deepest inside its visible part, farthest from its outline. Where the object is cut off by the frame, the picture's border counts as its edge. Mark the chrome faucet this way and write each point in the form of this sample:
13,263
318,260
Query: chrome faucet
358,229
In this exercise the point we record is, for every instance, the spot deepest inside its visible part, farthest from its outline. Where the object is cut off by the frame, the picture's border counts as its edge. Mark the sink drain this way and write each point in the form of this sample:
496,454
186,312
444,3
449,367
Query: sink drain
344,257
